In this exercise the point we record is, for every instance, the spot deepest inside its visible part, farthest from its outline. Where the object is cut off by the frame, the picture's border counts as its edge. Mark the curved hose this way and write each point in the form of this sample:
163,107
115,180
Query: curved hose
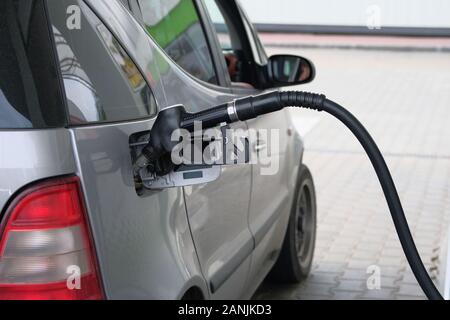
384,176
254,106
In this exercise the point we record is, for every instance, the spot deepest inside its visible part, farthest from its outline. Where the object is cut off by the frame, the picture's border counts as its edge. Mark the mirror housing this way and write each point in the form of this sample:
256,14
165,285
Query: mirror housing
289,70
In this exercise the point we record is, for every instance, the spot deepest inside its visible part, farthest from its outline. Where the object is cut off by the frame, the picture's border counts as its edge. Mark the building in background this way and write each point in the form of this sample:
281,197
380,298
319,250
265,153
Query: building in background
396,17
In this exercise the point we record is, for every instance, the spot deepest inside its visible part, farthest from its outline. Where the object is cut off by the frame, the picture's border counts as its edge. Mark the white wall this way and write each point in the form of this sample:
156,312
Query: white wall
391,13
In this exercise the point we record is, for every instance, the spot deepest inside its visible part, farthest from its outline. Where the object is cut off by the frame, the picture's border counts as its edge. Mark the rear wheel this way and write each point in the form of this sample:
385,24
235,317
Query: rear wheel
295,260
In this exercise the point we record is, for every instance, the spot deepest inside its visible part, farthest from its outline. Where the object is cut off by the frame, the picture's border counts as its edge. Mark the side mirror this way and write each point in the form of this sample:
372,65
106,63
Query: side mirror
288,70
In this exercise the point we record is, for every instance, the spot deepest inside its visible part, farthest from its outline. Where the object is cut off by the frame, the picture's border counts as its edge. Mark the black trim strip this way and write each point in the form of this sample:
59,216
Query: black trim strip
264,229
225,272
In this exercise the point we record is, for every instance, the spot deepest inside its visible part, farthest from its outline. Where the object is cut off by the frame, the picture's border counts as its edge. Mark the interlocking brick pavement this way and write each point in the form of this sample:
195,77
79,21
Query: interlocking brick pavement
403,98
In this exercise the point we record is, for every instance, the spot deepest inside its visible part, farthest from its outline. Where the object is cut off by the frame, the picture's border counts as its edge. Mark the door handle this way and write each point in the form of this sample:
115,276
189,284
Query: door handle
259,146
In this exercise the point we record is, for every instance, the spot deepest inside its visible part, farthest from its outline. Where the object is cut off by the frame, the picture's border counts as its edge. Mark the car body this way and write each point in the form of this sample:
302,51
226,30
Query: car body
216,240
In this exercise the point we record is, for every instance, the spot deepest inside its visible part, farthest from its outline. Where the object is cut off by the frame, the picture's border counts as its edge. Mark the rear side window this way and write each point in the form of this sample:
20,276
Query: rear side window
30,96
175,26
101,81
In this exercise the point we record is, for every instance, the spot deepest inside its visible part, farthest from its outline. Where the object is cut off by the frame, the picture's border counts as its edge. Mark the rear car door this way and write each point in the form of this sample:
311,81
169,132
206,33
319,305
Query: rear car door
217,211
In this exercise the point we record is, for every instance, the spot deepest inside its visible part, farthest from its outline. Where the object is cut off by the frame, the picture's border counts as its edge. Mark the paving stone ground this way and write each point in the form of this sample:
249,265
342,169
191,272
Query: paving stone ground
403,98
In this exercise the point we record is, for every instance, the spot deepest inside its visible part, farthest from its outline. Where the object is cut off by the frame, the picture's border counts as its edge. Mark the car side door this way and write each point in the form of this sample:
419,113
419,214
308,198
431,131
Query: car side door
272,167
217,211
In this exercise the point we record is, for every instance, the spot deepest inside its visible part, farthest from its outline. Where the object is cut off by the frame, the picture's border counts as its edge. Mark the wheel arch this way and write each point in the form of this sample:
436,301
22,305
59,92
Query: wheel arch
194,289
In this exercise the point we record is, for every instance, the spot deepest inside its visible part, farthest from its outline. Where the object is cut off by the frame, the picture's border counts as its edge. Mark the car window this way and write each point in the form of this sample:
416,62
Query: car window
221,26
175,25
101,81
232,39
30,94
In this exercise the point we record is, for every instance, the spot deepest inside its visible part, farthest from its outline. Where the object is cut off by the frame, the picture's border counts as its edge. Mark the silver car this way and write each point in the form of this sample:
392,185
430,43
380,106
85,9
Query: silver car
81,84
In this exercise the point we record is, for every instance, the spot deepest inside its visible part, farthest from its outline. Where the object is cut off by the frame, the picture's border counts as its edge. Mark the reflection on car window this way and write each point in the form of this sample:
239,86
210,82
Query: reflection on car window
101,81
176,27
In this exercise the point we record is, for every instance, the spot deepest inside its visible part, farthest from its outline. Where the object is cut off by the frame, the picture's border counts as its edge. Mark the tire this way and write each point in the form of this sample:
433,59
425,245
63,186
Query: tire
296,256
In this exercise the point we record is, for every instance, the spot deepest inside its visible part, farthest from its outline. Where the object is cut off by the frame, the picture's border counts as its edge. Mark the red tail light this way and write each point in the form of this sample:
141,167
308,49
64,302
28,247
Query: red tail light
46,252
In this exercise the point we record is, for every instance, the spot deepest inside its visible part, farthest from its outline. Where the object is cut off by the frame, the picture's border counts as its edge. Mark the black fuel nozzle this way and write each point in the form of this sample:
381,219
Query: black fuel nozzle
242,109
160,143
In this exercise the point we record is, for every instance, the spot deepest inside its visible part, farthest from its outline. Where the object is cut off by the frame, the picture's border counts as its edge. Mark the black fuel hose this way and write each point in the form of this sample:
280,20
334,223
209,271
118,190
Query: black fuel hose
391,194
253,106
